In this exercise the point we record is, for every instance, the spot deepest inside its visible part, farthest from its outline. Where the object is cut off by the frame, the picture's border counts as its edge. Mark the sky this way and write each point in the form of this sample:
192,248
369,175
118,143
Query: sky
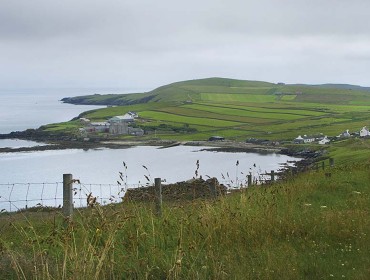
144,44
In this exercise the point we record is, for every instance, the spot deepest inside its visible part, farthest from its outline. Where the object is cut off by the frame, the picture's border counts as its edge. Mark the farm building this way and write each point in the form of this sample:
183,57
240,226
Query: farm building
303,140
344,134
120,119
135,131
118,128
98,127
364,132
324,141
84,120
133,114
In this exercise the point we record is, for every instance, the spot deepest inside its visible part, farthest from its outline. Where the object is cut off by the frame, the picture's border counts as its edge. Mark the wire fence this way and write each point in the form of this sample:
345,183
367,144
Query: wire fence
19,196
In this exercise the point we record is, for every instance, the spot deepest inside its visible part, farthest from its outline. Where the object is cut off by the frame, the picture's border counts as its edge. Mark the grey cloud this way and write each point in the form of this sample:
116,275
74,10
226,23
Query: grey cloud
153,42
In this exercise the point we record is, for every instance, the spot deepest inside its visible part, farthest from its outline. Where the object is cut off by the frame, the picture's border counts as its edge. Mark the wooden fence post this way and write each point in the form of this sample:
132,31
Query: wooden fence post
323,165
213,187
249,180
158,197
331,162
67,195
272,175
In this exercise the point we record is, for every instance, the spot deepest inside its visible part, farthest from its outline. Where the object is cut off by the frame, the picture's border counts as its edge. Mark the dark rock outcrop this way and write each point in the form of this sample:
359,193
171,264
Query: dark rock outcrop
182,191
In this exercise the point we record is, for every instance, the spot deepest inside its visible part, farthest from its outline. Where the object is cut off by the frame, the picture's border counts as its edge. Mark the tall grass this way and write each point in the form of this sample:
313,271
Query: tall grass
308,227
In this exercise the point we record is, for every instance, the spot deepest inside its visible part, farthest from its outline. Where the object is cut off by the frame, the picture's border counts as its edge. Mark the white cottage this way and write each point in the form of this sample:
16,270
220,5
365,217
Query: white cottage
305,139
120,119
345,134
364,132
298,140
324,141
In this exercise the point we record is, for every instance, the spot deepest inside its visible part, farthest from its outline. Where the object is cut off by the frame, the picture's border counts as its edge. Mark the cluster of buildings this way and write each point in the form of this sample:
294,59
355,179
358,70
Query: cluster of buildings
118,125
322,140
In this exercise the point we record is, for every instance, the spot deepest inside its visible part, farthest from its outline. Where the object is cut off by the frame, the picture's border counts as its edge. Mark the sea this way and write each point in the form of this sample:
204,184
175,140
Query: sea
32,178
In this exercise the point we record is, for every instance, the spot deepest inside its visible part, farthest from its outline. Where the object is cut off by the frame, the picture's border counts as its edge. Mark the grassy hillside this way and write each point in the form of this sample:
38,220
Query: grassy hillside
193,89
239,109
309,227
175,92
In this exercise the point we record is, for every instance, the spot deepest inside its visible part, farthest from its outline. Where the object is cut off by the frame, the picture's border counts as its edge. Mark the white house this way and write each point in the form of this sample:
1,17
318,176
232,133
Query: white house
345,134
324,141
133,114
305,139
125,118
298,140
84,120
364,132
308,139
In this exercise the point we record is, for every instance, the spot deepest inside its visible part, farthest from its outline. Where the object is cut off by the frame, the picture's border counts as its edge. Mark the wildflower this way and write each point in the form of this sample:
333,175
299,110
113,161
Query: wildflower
324,206
356,192
307,204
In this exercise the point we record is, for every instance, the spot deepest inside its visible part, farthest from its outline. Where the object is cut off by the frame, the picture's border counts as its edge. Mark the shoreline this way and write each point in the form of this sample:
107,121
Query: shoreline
306,157
63,141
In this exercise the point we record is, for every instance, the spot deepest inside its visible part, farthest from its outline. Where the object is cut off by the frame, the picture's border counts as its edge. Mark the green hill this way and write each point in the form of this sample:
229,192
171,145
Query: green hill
237,109
193,89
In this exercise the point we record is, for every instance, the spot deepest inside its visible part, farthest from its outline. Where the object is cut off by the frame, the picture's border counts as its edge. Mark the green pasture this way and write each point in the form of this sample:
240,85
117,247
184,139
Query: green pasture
351,151
229,90
288,97
243,117
109,112
66,127
280,108
187,120
324,91
261,112
222,97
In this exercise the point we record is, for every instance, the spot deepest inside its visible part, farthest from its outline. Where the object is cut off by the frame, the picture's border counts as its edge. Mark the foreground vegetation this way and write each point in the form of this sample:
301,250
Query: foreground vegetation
311,226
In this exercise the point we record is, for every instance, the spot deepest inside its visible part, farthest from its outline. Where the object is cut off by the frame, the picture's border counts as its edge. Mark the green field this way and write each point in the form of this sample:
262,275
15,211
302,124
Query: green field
237,109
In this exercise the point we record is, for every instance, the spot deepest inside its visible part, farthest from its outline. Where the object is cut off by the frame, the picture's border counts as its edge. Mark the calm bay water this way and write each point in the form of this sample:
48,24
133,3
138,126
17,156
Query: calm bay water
27,177
36,177
101,166
22,109
18,143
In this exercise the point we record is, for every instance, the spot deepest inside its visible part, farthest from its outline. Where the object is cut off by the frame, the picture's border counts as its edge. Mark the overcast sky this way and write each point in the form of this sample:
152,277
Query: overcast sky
147,43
